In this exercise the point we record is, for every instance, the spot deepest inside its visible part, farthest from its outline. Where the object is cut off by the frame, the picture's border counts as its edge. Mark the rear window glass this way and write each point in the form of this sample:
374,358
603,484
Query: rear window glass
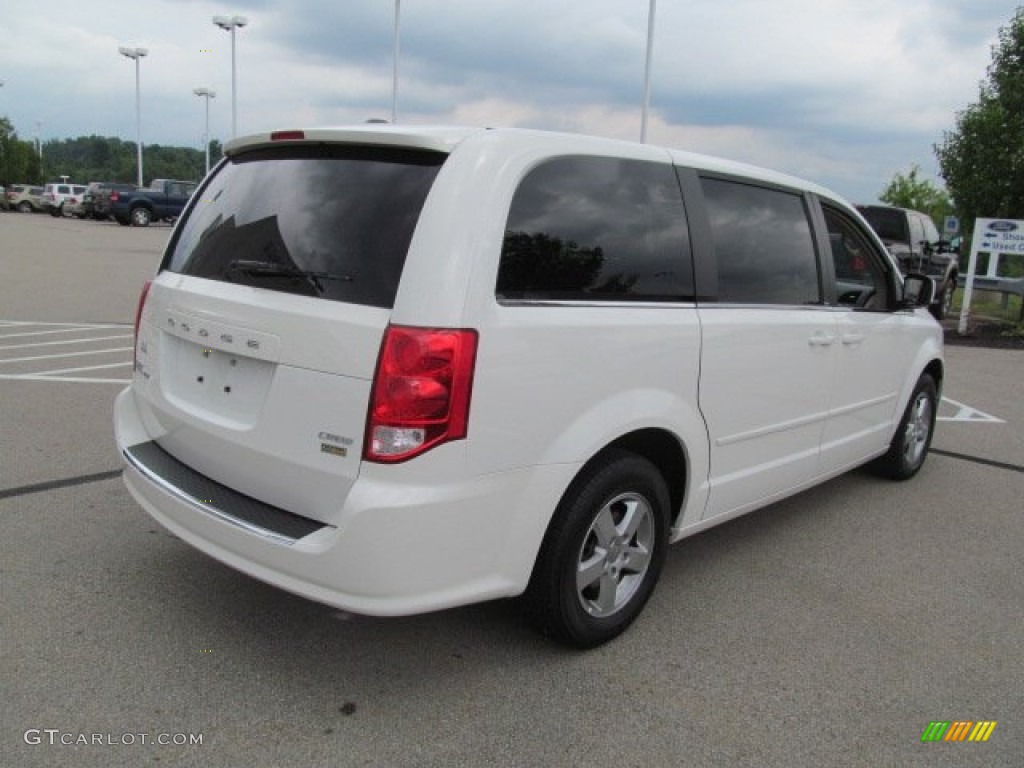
597,229
328,222
889,223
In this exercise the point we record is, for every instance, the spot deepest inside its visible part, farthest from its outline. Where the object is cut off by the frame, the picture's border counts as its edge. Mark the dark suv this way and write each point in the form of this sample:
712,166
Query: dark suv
912,237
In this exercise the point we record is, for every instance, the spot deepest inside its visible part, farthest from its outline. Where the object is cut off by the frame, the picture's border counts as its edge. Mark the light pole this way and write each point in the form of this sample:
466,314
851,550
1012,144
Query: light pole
136,54
394,80
230,24
207,94
647,74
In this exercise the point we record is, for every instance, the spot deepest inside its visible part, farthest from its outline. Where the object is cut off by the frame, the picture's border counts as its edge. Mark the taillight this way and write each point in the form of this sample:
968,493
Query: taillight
115,196
138,319
421,391
287,135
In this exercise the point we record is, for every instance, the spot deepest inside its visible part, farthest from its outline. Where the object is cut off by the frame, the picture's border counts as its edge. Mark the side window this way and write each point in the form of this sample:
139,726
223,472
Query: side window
860,280
763,244
597,229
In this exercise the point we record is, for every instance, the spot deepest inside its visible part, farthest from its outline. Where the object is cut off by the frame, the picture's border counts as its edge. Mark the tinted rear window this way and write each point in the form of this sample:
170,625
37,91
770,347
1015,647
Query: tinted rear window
597,229
889,223
331,222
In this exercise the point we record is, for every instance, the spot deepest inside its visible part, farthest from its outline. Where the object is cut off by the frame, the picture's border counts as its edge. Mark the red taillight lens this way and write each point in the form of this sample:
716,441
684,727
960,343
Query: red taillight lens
115,196
138,319
421,391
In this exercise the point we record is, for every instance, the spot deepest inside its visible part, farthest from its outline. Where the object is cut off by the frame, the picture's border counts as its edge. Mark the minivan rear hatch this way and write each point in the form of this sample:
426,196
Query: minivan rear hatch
259,336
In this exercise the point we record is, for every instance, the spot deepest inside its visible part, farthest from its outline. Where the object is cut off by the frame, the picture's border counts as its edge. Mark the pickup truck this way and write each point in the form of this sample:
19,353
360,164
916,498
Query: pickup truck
913,239
162,200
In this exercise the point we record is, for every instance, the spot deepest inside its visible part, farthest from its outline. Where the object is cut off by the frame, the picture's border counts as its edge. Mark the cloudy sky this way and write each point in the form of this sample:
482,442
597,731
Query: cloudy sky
844,92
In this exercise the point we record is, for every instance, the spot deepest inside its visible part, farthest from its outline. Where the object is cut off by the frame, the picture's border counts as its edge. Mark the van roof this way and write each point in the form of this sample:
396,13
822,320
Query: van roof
444,138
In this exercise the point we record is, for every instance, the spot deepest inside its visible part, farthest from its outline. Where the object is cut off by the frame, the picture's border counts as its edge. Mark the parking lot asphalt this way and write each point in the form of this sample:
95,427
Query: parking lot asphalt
828,630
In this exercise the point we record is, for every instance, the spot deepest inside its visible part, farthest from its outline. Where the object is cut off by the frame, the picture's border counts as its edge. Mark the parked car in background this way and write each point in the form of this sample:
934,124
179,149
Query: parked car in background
74,206
98,197
24,198
162,200
55,194
913,239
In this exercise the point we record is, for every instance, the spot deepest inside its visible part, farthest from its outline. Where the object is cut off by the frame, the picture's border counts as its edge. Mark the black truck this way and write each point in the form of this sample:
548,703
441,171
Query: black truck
913,239
162,200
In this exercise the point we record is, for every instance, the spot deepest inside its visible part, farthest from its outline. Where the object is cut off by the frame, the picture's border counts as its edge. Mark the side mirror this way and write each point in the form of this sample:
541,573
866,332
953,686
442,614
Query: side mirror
918,291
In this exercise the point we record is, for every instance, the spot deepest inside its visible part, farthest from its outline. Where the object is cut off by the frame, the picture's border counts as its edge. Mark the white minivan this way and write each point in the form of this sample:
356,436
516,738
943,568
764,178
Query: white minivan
397,369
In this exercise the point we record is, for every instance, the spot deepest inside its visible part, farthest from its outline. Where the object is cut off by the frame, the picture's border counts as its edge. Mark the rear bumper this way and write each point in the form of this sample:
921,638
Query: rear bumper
399,549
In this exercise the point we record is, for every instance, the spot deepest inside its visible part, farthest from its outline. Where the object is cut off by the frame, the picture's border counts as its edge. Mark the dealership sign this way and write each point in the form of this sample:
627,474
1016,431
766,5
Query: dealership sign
999,236
996,237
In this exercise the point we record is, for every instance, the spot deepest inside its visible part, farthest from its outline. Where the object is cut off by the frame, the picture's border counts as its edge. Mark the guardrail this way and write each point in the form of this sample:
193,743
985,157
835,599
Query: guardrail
1005,285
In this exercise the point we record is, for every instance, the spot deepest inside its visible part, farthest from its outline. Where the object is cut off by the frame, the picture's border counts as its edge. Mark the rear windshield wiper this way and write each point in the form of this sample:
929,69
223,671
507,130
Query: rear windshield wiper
254,268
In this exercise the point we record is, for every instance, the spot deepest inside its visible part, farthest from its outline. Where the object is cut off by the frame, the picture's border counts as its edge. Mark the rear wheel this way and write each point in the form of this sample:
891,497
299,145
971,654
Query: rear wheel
602,554
25,206
141,217
910,444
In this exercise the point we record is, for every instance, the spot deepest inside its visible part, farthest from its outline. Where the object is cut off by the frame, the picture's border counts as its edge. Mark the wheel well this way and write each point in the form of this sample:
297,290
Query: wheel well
934,369
665,452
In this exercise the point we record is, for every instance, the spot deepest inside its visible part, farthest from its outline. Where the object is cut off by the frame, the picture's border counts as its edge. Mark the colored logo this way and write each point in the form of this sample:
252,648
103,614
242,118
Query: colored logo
1002,226
958,730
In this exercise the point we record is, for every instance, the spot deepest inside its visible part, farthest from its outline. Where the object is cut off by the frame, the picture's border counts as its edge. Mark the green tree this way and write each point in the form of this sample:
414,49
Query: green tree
909,191
19,162
982,159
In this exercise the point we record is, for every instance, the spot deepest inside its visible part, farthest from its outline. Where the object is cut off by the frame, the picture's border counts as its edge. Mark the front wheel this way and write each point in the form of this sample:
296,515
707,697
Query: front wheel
602,554
910,444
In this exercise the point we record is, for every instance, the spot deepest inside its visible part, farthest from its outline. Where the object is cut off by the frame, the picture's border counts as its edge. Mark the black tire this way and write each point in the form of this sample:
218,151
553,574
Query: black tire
141,217
943,301
913,438
57,211
611,527
25,206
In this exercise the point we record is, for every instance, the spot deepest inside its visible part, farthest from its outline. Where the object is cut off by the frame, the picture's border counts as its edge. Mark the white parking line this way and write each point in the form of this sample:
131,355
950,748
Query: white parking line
26,367
967,413
71,329
62,343
64,354
125,364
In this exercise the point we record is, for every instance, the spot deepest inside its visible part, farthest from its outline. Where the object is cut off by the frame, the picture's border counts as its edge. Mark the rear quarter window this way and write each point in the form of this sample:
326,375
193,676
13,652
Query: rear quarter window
327,222
597,229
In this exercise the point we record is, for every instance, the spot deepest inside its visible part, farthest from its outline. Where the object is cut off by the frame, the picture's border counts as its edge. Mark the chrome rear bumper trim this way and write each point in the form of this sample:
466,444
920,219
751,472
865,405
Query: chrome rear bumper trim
197,490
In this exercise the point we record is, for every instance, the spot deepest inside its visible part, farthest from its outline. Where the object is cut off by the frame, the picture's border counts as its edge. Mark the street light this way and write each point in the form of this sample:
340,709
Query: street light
647,73
230,24
207,94
136,54
394,80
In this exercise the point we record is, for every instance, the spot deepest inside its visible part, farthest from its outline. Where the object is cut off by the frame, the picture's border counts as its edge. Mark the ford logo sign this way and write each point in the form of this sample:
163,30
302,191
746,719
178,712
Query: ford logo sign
1002,226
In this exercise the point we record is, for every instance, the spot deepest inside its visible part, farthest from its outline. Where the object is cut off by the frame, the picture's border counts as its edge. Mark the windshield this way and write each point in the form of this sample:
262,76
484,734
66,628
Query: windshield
332,222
